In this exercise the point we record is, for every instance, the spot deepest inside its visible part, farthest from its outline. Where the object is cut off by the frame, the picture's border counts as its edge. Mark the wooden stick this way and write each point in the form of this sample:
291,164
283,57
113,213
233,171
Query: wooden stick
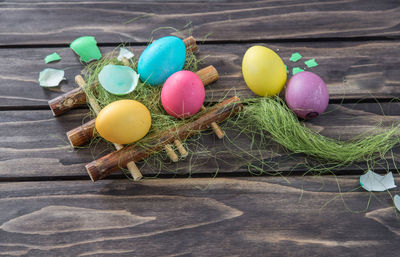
217,130
84,133
110,163
171,153
92,102
210,75
136,174
67,101
180,148
190,43
77,96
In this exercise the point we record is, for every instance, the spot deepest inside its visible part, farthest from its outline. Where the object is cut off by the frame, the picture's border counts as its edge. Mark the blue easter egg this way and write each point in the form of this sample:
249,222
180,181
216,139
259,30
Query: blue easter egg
161,59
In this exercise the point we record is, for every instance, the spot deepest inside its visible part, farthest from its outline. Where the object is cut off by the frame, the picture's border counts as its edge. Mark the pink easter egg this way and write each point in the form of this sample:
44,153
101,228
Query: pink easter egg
307,95
182,94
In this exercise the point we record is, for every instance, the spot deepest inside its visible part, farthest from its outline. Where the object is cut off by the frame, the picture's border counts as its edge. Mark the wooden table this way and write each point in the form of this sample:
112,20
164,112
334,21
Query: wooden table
49,207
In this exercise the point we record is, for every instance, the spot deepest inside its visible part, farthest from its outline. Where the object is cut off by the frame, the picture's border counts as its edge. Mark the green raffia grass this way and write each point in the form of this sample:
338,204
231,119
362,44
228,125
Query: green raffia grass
271,116
263,121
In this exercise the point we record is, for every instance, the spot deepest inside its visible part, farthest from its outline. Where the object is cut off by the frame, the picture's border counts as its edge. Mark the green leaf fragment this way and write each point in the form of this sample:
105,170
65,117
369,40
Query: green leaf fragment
86,48
50,77
296,70
311,63
295,57
52,58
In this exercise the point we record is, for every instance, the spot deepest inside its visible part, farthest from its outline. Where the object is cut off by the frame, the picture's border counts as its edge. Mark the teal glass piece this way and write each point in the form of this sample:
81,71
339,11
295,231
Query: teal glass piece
118,79
86,48
295,57
52,58
311,63
296,70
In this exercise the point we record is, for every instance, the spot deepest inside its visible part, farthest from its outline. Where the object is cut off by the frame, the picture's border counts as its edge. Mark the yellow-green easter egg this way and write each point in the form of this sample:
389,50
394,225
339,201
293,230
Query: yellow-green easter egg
264,71
123,121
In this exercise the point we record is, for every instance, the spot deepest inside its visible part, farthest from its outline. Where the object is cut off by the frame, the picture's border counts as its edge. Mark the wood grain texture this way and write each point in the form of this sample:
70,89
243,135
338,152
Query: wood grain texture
34,144
300,216
351,70
59,22
356,45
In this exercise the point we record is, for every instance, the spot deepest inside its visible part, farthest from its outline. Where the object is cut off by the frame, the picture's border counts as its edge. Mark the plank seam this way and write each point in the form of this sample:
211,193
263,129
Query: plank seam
220,42
241,174
331,101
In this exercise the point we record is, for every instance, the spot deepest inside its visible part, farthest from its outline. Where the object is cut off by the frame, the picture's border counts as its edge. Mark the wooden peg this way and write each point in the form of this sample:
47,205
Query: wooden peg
92,102
208,75
181,148
217,130
190,44
171,153
133,169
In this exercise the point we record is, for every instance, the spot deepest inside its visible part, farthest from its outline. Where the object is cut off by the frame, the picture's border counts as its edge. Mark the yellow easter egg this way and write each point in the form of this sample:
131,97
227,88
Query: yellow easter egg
123,121
264,71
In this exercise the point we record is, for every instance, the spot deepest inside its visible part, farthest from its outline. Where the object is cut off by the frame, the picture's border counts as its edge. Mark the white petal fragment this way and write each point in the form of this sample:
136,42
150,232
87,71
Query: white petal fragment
50,77
123,52
371,181
396,201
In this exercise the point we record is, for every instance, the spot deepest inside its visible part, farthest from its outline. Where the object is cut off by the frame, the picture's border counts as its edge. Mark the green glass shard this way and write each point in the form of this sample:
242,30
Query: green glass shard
311,63
295,57
86,48
296,70
52,58
50,77
118,79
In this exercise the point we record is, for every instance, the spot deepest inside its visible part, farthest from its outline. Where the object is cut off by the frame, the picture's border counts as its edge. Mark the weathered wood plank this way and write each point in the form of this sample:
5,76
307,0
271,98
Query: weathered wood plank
59,22
34,144
351,70
300,216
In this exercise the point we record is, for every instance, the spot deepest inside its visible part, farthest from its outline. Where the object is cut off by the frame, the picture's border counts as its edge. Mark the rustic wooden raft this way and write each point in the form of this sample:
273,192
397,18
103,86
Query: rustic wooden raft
125,157
112,162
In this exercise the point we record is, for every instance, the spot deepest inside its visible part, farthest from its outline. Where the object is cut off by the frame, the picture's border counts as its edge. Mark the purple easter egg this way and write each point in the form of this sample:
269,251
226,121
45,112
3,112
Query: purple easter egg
307,95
